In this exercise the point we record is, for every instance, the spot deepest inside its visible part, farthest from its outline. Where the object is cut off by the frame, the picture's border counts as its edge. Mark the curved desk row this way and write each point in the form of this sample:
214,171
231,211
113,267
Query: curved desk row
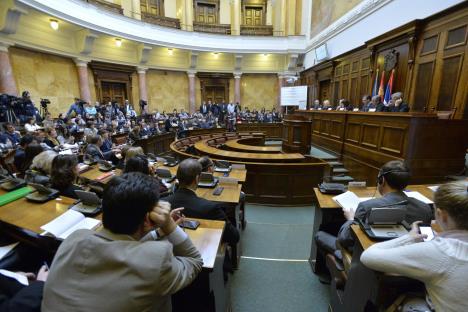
270,181
204,148
251,145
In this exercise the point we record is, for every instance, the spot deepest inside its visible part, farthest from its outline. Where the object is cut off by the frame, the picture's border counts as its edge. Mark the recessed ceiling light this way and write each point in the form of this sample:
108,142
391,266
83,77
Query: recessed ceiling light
216,54
170,51
265,55
54,24
118,42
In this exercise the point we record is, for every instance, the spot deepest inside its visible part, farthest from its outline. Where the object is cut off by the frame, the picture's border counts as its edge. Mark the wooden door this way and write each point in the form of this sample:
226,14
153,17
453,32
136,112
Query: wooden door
253,16
113,91
215,94
324,89
205,13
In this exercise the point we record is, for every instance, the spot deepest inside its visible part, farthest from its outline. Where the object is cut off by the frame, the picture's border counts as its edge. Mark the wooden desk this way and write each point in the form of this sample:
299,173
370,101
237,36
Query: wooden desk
202,147
230,194
239,174
237,145
94,173
207,239
327,212
31,216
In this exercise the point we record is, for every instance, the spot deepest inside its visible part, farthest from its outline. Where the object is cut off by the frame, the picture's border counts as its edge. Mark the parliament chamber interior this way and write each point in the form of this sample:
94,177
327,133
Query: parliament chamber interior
233,155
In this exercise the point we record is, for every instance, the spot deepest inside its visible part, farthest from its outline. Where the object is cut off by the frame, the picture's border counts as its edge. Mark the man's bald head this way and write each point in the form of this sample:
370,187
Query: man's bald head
188,171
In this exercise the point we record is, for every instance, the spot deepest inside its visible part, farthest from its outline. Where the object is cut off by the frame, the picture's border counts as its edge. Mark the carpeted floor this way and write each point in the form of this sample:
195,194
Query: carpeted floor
274,274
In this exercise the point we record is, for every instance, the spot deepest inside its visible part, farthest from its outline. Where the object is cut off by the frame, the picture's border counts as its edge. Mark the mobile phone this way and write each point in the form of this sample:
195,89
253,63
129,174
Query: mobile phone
190,224
427,230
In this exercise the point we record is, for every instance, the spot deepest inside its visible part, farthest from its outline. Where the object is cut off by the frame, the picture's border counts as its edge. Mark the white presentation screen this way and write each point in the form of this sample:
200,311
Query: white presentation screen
294,96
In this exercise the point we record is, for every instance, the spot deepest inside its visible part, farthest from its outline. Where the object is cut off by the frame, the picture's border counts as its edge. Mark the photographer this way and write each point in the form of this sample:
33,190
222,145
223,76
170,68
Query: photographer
77,108
27,108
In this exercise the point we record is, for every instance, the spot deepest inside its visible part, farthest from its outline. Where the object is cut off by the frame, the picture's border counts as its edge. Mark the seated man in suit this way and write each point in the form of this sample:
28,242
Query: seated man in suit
93,149
188,175
397,104
377,104
392,179
367,103
128,265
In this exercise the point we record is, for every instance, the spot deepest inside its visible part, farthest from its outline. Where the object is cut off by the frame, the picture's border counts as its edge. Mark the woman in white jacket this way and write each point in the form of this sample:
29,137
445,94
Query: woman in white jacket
442,263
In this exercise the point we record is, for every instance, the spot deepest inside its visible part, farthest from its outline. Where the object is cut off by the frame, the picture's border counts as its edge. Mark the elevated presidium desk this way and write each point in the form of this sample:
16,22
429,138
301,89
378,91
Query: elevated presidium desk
432,147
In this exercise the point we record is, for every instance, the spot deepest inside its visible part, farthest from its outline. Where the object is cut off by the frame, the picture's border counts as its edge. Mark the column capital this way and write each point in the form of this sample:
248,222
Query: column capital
4,46
191,73
81,62
142,70
237,75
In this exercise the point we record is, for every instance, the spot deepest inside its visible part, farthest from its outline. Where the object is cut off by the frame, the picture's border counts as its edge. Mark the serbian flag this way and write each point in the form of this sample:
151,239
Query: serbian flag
382,83
376,83
388,91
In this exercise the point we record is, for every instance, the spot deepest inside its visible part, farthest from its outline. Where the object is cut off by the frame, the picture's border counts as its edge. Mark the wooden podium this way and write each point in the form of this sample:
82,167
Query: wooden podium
296,134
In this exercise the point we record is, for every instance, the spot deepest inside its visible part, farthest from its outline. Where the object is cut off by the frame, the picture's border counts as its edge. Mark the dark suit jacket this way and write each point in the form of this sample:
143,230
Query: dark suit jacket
196,207
15,297
94,151
415,211
402,108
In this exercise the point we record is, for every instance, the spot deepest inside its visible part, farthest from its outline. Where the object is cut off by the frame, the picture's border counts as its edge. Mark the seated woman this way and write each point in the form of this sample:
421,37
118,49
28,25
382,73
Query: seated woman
441,263
51,139
64,173
41,167
31,125
139,163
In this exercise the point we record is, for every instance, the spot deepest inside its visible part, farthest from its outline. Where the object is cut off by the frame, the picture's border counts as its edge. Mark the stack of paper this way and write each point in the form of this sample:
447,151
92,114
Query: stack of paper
419,197
68,223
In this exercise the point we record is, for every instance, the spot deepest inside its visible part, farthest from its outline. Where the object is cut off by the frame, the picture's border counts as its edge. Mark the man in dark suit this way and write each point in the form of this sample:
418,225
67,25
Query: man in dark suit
392,179
397,104
204,109
188,175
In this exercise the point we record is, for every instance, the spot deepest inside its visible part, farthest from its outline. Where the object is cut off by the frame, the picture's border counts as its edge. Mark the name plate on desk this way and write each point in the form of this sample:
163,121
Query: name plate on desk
371,110
357,184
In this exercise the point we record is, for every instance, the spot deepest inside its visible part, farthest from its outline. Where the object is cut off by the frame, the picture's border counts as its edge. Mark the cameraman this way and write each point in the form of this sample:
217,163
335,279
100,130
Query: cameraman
77,108
28,110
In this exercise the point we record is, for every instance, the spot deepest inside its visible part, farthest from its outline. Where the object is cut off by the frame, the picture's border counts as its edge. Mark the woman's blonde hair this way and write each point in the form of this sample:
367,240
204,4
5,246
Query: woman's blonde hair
453,198
43,161
133,151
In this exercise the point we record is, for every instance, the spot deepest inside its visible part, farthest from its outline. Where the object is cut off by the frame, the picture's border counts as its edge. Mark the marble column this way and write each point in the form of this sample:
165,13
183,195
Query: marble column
236,17
189,14
237,88
142,87
7,80
82,67
191,78
281,84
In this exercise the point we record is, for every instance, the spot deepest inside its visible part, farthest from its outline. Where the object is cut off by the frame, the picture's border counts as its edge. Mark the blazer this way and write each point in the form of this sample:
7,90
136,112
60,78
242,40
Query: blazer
108,272
415,211
196,207
94,151
16,297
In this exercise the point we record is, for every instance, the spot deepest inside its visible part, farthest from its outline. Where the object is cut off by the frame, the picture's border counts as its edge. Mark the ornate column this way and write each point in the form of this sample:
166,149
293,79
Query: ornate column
236,17
280,84
237,87
191,78
142,86
82,67
7,80
189,15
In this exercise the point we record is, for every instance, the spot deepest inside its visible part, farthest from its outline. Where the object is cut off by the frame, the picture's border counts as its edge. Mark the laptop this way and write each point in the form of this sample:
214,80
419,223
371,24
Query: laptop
88,204
11,183
384,223
42,193
207,180
105,166
165,174
222,166
170,161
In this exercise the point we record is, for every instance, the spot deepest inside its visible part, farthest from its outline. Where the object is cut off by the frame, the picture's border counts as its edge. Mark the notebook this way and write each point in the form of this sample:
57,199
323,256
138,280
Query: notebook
349,201
69,222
